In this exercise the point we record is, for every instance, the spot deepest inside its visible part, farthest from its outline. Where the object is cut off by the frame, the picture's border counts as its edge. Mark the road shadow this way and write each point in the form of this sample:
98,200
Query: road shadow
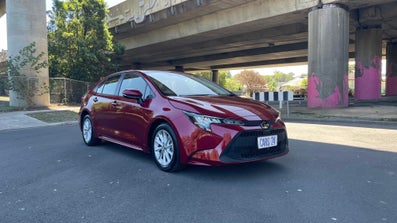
306,160
243,171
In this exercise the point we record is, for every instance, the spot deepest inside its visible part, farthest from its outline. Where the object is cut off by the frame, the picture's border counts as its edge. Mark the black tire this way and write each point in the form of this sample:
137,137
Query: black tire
165,149
87,131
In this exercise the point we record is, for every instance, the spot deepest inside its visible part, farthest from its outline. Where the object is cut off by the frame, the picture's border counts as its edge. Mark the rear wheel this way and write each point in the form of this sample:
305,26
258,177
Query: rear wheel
87,130
165,148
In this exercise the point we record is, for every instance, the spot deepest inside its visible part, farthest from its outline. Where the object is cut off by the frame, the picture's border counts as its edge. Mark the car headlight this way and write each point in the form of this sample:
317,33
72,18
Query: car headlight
205,121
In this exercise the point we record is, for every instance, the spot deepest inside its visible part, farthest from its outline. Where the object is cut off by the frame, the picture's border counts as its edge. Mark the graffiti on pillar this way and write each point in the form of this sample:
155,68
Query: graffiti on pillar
371,67
320,95
368,79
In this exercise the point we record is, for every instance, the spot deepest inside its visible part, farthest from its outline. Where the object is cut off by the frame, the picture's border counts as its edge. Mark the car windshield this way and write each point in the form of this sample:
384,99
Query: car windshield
178,84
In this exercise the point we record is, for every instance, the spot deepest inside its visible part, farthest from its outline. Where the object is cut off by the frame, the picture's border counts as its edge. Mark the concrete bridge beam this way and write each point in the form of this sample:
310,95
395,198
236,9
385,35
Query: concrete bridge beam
328,54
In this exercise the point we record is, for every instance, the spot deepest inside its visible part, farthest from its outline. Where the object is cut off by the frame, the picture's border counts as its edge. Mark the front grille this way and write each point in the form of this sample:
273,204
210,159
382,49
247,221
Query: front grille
257,123
244,146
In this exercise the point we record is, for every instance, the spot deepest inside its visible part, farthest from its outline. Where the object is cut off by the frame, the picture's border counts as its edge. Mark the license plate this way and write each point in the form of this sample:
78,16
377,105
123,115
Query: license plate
267,141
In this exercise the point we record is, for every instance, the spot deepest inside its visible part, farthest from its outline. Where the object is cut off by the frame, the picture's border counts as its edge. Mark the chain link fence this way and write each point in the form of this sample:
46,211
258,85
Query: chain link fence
67,91
3,84
62,90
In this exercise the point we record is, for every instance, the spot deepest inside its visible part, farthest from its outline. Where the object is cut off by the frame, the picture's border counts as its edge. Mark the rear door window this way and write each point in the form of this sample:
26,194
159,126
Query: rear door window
109,86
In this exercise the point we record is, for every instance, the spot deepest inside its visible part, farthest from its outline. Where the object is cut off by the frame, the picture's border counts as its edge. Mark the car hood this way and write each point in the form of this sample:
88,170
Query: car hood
233,107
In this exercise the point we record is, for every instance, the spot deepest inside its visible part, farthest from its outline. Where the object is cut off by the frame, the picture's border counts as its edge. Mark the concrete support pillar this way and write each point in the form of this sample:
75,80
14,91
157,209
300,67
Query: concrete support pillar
328,56
391,69
179,68
368,64
215,76
26,23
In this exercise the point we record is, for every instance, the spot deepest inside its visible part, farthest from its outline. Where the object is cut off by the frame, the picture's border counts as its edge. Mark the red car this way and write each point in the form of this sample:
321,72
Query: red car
181,119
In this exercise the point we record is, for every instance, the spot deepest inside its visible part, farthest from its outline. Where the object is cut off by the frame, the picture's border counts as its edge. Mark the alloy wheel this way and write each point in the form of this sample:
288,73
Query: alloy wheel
163,148
87,130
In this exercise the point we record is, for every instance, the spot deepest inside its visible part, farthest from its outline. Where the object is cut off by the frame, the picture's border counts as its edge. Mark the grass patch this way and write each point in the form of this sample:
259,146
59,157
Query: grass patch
5,105
7,108
55,116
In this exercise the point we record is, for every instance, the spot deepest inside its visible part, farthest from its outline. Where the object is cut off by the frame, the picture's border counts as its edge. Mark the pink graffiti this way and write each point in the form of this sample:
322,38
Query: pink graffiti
334,100
368,86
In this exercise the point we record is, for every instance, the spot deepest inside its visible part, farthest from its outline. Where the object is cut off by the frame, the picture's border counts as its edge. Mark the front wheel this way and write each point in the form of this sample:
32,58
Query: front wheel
87,130
165,149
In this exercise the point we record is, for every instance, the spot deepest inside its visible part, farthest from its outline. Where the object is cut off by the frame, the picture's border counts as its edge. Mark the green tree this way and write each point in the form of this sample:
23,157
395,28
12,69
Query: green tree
80,45
232,84
274,81
205,74
23,70
223,75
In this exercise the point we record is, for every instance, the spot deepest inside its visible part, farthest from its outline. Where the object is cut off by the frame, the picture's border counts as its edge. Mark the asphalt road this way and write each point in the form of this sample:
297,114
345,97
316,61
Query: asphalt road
332,174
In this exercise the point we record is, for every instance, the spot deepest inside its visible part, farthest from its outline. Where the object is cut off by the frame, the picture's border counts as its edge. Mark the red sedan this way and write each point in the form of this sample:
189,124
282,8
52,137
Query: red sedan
181,119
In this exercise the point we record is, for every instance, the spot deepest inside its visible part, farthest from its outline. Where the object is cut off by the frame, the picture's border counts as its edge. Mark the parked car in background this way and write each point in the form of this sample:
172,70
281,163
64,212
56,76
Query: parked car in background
180,119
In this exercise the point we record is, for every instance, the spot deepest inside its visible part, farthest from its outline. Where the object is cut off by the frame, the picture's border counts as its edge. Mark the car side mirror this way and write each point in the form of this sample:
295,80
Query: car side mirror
133,94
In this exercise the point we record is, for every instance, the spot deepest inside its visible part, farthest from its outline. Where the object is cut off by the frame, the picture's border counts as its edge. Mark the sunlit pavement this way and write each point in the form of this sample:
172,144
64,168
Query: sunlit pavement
376,138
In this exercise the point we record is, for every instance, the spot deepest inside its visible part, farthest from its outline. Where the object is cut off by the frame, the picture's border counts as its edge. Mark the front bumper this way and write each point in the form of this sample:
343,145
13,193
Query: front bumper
244,148
240,146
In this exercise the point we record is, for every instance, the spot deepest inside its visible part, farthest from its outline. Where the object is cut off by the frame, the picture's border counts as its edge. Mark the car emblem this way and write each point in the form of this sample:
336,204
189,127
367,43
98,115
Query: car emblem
265,125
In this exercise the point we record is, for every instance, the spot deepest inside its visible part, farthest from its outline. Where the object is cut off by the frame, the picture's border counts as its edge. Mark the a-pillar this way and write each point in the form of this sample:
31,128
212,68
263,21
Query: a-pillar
367,84
391,69
328,55
26,23
215,76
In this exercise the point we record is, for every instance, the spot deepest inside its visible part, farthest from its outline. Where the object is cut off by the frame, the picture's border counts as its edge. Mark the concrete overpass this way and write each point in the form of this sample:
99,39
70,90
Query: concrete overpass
216,34
224,34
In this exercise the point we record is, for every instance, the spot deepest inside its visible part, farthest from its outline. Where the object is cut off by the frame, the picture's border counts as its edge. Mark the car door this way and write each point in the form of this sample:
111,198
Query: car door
104,106
133,117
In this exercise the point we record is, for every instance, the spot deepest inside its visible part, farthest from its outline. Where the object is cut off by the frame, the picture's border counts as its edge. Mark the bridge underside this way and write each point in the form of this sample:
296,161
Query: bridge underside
246,34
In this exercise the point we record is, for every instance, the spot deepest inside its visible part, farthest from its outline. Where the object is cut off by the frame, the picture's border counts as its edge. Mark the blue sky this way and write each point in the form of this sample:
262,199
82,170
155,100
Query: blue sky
3,21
